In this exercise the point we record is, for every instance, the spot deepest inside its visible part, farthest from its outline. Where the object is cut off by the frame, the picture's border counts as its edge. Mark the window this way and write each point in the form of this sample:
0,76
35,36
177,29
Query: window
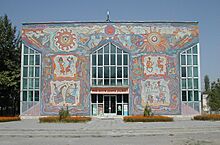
189,72
112,68
30,75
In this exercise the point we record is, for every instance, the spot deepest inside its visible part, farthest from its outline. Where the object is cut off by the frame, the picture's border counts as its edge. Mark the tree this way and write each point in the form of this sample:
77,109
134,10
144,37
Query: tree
10,48
214,96
207,83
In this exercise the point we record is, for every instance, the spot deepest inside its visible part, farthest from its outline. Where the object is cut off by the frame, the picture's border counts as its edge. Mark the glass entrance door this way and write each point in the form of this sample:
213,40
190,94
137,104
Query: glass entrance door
110,104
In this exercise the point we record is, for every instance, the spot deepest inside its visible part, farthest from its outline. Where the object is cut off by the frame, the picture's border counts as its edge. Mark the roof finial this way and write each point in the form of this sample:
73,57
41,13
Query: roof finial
108,16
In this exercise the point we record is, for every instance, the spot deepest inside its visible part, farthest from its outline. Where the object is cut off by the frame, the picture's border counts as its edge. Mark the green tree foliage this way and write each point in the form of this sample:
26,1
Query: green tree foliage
10,48
214,96
207,83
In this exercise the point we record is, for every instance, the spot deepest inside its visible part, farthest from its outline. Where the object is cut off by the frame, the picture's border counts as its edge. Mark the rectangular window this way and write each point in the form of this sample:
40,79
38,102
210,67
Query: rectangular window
26,50
119,98
31,83
184,96
94,82
37,59
106,72
125,72
31,60
113,74
125,59
25,71
113,59
24,96
94,98
196,96
196,84
106,81
113,82
30,96
94,59
93,72
190,96
106,59
125,98
195,71
113,49
31,71
119,59
100,81
189,83
183,71
36,83
195,60
100,73
25,83
189,59
183,83
37,71
119,50
119,72
100,59
183,60
125,81
36,96
25,59
189,71
100,98
119,82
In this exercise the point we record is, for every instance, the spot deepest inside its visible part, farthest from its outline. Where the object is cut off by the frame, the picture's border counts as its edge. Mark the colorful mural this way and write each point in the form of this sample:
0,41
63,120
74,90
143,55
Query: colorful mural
64,93
154,63
64,66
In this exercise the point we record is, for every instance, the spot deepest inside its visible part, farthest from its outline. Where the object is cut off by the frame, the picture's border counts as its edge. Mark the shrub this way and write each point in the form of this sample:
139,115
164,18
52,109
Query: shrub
69,119
6,119
147,111
147,119
213,117
64,113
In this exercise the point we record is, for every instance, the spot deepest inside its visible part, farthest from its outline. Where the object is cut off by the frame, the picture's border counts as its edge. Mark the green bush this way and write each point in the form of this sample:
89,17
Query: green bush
148,111
64,113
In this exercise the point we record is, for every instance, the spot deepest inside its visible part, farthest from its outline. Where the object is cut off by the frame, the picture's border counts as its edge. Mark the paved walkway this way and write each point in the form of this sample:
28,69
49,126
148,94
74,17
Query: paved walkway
97,128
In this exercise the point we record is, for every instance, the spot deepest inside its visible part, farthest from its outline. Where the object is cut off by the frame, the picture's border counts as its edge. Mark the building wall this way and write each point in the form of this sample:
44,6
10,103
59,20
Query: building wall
154,50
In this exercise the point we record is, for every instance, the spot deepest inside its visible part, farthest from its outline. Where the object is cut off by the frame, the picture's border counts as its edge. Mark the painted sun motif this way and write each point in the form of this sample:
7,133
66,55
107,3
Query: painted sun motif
154,42
65,40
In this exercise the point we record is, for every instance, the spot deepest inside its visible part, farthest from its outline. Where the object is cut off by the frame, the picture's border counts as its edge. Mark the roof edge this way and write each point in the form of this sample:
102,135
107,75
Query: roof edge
101,22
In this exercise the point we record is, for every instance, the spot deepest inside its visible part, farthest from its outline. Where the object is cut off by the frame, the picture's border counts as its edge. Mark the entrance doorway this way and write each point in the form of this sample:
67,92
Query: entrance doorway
110,104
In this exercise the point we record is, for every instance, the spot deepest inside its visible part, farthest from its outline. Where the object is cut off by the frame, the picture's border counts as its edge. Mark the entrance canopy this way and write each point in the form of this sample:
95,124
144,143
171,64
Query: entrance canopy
110,90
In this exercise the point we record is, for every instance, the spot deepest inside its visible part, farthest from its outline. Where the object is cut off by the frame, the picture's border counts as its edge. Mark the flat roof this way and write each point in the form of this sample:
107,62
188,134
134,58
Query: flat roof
125,22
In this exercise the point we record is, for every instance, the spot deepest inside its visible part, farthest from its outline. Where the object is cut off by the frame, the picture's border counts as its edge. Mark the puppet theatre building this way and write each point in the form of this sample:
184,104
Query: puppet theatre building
110,68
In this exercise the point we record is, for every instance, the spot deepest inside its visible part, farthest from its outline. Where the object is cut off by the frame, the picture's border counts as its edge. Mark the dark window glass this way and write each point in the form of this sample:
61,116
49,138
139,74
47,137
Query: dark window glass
119,98
100,98
100,51
125,59
125,98
94,82
183,83
119,59
190,84
183,60
106,81
25,50
183,72
119,50
25,59
113,59
37,71
195,71
94,72
195,60
184,96
189,59
100,73
106,59
94,98
113,74
196,83
100,60
93,59
119,82
37,59
25,83
30,96
125,81
125,72
119,72
36,96
190,96
113,82
100,82
106,72
36,83
24,95
25,71
31,60
196,96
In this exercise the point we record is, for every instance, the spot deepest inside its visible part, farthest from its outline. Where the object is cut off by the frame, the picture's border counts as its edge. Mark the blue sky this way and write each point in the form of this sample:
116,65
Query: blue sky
204,11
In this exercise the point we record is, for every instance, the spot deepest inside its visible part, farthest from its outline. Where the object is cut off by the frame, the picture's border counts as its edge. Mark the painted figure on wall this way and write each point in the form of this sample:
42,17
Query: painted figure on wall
155,92
64,93
64,65
154,65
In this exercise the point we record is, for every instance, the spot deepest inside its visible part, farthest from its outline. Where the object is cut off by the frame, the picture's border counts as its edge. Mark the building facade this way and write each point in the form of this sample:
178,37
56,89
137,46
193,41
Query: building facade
110,68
